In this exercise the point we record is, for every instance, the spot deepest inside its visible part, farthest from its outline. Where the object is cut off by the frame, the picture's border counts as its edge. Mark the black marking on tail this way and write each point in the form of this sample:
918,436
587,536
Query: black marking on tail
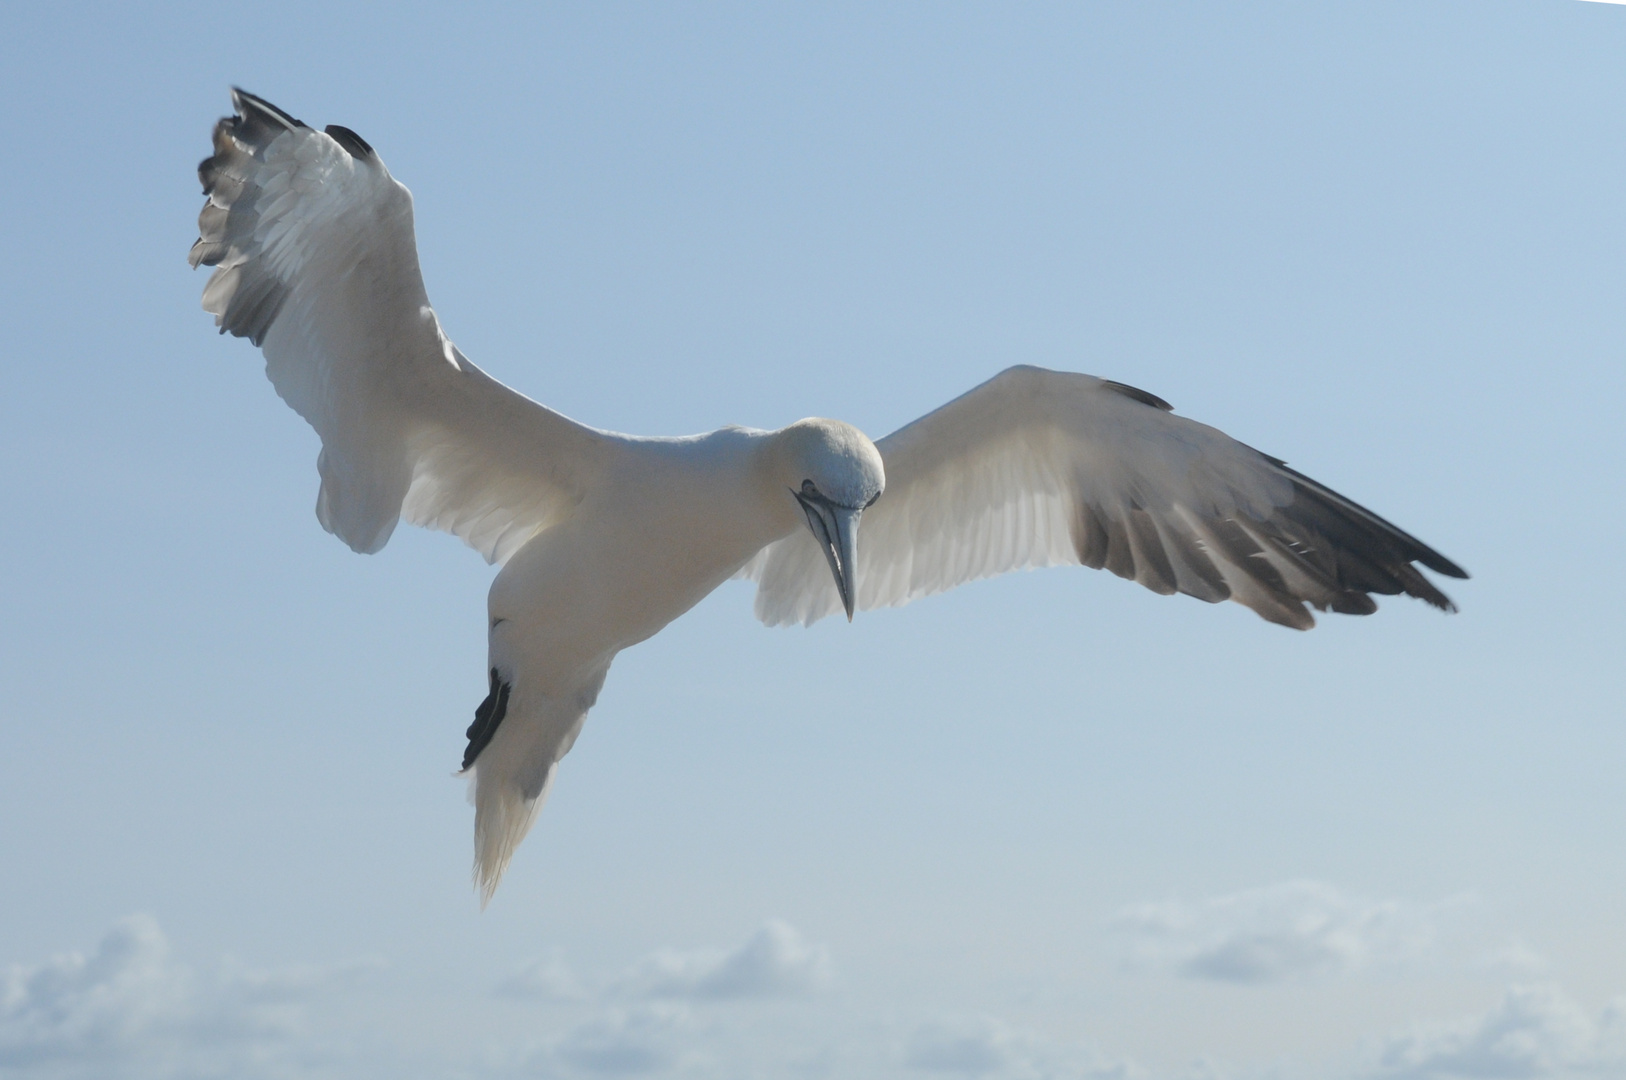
1136,394
486,718
354,144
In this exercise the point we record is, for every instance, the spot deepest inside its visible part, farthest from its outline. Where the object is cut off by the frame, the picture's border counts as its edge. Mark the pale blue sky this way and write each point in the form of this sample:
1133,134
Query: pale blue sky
1054,825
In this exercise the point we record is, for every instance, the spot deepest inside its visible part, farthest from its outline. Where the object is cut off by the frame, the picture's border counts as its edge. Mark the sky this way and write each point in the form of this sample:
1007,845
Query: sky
1046,825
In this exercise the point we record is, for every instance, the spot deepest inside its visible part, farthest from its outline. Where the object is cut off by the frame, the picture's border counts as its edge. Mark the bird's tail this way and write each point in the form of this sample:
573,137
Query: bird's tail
503,814
515,744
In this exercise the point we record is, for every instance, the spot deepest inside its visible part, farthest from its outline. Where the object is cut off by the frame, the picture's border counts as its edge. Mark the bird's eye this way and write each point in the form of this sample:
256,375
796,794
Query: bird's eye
809,488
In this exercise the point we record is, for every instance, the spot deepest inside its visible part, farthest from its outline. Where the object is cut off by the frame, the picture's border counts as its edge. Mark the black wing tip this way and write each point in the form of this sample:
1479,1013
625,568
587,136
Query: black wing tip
249,105
1135,393
354,144
1414,549
251,108
1445,566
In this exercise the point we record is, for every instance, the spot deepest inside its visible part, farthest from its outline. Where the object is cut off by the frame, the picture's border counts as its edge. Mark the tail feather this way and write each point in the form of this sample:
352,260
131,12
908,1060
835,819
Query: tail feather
514,768
502,816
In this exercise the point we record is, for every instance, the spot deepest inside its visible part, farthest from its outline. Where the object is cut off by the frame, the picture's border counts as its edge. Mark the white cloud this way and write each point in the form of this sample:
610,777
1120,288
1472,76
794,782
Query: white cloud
1533,1033
988,1047
91,1009
547,979
972,1048
776,961
622,1043
656,1017
1512,959
1286,931
130,1009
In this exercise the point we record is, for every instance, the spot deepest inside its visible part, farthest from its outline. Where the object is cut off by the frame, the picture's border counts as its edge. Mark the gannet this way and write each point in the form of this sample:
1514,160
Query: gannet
604,538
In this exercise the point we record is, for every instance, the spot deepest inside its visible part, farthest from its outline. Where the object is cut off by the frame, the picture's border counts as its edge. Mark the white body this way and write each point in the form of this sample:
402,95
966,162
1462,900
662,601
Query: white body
600,581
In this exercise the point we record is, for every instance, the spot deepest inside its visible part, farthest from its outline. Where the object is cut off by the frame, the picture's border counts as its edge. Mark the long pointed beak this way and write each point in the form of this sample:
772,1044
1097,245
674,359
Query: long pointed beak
836,529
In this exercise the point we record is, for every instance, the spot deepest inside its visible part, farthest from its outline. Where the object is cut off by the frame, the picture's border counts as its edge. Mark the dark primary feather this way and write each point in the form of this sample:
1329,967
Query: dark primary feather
261,120
1137,394
227,222
1320,548
1336,552
229,216
353,144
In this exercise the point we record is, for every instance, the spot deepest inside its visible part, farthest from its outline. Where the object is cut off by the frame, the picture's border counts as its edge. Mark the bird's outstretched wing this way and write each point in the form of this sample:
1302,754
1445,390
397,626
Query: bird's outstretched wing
1043,468
316,263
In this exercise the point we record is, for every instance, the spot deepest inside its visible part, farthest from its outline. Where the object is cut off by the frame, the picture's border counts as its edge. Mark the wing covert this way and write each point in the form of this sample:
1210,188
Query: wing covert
316,262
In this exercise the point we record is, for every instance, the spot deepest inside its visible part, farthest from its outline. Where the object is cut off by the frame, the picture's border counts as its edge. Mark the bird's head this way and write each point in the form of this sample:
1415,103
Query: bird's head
834,473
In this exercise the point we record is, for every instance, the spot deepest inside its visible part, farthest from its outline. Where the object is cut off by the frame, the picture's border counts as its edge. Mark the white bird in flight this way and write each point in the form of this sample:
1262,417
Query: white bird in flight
605,538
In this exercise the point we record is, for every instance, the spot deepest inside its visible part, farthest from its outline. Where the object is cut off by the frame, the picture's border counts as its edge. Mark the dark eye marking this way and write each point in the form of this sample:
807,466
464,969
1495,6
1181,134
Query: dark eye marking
810,493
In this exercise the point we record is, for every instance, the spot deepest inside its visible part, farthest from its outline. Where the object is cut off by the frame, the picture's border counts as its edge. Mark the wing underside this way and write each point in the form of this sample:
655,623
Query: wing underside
1039,468
316,262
